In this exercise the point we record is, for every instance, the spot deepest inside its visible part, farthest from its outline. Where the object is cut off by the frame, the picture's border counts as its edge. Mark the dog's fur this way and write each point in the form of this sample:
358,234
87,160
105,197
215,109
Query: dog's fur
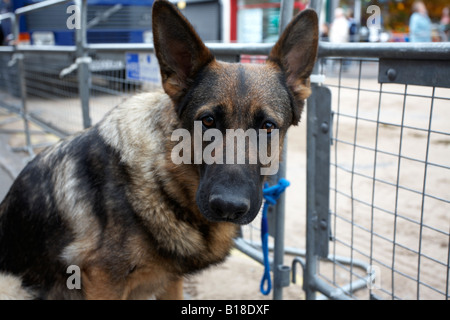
110,200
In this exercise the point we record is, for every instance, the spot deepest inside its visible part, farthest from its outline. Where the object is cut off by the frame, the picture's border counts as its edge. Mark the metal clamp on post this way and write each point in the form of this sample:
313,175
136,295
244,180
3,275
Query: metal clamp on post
432,73
284,273
317,78
15,57
64,72
302,262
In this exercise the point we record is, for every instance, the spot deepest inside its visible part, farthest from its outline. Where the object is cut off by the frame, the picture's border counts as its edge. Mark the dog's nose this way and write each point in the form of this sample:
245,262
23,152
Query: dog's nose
229,207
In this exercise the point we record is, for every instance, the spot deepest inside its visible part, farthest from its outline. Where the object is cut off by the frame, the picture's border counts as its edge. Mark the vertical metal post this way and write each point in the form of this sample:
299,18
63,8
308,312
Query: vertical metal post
286,14
19,59
311,214
318,180
316,5
310,269
279,270
23,101
357,18
83,63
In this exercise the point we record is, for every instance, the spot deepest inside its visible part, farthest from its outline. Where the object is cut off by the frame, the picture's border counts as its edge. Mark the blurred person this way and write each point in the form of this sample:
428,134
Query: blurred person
445,24
5,6
324,31
340,29
353,27
419,23
339,33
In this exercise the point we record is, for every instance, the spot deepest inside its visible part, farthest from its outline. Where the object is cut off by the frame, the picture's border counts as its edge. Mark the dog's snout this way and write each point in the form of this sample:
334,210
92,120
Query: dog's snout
229,207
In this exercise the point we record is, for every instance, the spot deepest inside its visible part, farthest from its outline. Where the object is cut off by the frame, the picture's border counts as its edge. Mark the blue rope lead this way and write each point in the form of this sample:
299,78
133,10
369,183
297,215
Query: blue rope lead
271,195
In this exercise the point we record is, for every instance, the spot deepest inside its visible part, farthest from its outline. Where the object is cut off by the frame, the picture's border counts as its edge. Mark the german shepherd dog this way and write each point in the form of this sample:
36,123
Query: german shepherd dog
111,201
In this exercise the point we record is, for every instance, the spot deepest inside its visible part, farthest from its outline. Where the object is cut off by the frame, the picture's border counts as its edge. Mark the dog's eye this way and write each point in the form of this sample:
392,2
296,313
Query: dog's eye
269,126
208,122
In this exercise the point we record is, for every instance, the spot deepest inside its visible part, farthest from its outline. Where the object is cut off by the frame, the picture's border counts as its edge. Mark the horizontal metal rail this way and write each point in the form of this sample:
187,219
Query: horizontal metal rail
414,51
39,6
6,49
419,51
45,48
7,15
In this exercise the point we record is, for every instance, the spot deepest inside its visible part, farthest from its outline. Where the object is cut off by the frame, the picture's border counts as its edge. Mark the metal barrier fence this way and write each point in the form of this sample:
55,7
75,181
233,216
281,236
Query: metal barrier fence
377,170
386,208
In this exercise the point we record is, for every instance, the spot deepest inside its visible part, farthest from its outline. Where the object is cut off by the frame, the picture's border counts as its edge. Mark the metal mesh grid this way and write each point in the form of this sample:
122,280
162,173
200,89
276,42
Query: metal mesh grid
110,85
9,88
108,89
389,184
52,99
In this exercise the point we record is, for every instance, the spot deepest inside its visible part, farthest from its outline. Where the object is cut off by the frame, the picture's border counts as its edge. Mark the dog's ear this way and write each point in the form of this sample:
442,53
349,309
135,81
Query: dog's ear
295,53
180,51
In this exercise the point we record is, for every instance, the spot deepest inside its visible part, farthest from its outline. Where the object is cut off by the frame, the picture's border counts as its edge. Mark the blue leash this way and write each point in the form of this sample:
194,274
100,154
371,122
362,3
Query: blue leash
271,195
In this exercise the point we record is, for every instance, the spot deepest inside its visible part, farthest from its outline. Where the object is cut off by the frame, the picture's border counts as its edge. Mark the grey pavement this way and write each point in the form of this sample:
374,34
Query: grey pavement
11,163
6,182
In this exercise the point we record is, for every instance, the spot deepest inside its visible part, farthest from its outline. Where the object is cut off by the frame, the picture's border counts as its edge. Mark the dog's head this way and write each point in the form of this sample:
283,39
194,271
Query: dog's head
223,104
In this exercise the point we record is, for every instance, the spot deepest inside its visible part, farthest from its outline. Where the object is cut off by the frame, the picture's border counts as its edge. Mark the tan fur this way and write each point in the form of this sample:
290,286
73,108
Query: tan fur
153,157
85,227
262,91
173,292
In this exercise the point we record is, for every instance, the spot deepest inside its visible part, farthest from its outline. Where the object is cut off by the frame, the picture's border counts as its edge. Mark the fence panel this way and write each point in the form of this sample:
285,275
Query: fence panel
9,84
389,173
111,83
52,98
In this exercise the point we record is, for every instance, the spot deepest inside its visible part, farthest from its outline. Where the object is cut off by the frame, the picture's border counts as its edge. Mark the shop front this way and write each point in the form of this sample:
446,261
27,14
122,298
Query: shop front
257,20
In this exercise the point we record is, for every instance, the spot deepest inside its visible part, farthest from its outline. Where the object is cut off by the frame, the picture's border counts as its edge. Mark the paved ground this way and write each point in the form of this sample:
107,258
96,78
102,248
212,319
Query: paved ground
11,162
5,182
7,167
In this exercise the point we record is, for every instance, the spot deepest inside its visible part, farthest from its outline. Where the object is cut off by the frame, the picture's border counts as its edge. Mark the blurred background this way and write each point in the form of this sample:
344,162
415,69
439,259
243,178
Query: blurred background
129,21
